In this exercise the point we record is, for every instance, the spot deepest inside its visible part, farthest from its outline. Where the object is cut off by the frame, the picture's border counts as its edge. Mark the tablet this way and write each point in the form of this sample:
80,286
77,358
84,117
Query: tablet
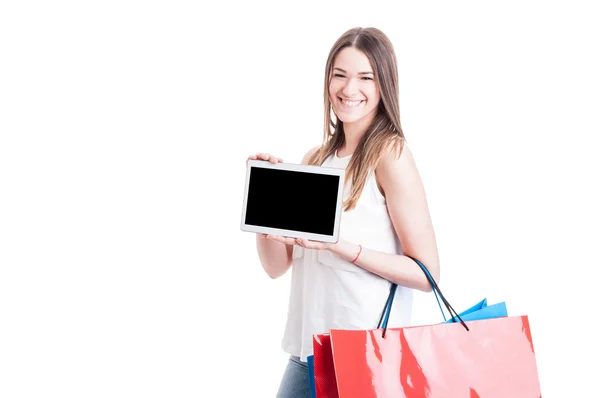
293,200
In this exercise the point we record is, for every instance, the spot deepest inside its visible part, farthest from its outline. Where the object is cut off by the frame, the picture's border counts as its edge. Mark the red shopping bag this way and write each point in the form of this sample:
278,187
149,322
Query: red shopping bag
493,359
324,383
471,359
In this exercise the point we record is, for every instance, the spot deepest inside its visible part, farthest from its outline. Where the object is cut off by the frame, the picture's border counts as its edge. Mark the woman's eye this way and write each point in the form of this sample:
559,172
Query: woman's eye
367,78
338,75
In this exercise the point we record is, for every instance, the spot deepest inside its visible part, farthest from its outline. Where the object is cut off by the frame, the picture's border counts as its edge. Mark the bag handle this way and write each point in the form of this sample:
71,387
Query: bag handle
386,311
383,321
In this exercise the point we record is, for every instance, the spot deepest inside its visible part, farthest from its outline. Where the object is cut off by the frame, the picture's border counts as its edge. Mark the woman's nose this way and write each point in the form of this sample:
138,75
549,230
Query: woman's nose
350,88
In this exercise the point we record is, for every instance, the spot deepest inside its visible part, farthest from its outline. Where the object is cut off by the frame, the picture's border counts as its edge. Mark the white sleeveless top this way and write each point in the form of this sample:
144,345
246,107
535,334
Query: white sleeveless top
328,292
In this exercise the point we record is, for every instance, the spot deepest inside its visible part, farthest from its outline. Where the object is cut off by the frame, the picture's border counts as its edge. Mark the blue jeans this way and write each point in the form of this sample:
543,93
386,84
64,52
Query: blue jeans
294,383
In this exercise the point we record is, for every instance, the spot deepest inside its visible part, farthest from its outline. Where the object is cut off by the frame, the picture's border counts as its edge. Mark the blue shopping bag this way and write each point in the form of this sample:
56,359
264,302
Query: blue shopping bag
479,311
310,361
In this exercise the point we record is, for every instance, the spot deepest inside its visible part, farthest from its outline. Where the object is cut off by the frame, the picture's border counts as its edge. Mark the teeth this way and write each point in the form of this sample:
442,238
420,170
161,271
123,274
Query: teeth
351,103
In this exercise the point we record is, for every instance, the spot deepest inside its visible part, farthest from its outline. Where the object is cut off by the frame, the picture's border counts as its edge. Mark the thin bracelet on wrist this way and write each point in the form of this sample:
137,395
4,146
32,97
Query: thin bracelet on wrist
359,251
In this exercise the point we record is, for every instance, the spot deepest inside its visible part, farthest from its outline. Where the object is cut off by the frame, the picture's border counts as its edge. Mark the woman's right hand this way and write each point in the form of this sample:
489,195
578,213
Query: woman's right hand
266,157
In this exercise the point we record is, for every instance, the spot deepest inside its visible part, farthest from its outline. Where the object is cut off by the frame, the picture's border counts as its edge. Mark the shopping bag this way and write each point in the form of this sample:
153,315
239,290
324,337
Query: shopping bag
494,359
482,311
322,370
321,373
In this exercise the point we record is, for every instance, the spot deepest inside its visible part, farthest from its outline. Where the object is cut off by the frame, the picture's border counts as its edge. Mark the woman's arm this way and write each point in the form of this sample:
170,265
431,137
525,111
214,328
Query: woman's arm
407,205
275,257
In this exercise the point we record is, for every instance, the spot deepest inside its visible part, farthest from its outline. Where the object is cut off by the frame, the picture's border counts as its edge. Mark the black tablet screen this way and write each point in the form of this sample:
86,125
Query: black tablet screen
292,200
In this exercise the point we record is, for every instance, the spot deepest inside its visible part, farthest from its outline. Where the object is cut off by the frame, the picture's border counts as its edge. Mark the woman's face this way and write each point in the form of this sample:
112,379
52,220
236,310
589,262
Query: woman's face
353,92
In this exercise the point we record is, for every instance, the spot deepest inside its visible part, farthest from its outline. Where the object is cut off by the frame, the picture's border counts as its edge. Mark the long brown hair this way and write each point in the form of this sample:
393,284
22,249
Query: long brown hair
385,131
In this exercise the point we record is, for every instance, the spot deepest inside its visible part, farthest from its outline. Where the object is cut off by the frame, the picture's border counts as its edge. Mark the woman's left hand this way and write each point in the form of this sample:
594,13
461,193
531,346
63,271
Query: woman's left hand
305,243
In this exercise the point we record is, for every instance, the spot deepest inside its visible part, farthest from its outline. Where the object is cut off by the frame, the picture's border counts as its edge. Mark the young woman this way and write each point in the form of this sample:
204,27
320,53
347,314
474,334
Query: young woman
345,285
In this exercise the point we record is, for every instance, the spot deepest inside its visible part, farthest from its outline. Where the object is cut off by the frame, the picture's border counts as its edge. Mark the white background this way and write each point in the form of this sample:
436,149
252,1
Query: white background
124,128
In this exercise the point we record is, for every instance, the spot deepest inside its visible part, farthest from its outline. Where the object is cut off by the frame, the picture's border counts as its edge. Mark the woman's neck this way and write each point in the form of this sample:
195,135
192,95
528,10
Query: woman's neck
353,133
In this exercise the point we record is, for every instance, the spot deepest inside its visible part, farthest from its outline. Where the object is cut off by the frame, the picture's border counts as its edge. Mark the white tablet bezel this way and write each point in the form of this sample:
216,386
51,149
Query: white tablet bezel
301,168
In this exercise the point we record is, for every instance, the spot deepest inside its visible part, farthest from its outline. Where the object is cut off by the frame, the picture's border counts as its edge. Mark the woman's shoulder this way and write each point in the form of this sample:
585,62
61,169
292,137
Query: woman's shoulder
310,153
395,153
395,164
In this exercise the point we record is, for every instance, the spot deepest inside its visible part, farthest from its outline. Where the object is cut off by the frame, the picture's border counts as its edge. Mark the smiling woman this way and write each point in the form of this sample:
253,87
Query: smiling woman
385,222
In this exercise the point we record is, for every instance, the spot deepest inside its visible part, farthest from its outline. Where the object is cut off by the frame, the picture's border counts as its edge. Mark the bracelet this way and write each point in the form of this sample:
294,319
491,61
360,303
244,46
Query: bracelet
359,251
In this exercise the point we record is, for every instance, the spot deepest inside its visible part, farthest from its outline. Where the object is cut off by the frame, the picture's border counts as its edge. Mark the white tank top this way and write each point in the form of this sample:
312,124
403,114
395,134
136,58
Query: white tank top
328,292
